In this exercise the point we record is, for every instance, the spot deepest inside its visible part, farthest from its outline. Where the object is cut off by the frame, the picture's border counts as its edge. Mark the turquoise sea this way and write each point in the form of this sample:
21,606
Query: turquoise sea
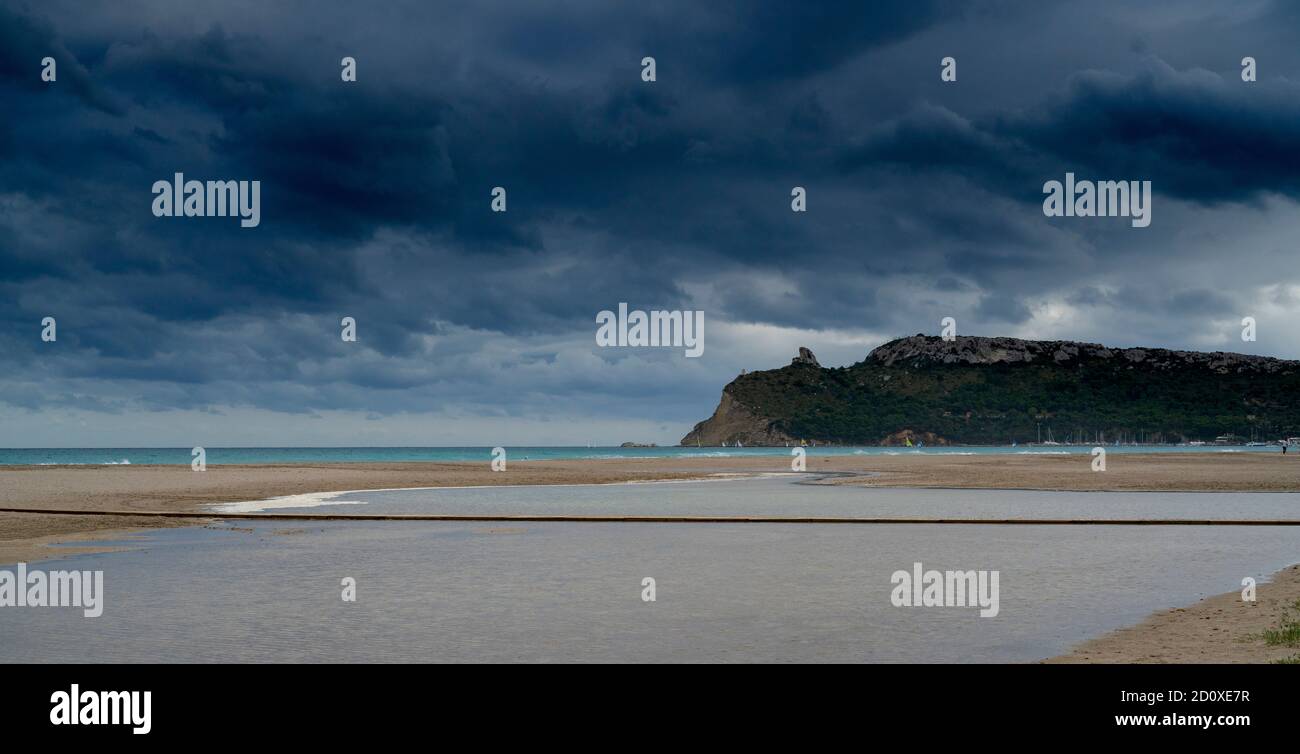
181,456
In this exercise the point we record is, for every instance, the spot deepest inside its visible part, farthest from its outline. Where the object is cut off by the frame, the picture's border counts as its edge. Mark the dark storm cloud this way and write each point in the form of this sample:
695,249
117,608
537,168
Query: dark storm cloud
773,39
25,41
735,43
999,309
923,200
1195,134
930,136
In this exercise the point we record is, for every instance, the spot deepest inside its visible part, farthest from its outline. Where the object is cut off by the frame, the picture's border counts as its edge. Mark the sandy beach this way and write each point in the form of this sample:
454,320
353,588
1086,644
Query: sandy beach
24,536
1214,630
1218,629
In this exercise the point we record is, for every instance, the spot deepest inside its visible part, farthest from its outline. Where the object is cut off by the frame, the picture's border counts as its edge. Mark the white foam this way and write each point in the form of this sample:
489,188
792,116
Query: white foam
318,499
306,500
123,462
615,457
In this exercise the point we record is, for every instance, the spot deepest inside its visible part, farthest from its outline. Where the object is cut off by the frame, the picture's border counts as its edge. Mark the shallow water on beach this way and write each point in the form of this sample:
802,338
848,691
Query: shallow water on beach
540,592
786,495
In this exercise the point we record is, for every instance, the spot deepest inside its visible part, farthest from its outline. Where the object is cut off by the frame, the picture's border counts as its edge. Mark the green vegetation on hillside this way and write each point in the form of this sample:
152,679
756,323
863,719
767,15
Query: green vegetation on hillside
996,403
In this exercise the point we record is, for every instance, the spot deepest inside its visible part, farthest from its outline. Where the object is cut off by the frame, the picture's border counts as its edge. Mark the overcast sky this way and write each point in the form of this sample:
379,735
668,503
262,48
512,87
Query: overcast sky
477,328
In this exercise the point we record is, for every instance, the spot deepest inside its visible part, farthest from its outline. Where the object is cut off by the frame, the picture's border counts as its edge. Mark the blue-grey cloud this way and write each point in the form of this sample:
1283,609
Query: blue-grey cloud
923,197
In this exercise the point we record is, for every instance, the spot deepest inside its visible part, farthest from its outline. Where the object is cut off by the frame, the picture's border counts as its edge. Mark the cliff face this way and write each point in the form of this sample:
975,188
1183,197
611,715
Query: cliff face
998,390
732,422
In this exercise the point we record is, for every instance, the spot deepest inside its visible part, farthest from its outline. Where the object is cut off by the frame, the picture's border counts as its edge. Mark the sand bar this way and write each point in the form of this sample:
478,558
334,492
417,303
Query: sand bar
1218,629
177,488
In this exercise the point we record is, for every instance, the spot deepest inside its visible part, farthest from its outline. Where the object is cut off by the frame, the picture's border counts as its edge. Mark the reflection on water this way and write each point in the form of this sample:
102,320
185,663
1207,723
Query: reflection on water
539,592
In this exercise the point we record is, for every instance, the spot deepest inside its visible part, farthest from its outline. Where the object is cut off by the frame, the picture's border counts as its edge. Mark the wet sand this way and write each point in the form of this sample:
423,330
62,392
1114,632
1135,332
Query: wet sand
26,536
1218,629
23,536
1169,472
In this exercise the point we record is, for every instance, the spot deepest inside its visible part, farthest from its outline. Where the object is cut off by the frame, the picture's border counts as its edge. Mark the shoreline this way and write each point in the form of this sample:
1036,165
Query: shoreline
147,488
1218,628
27,536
